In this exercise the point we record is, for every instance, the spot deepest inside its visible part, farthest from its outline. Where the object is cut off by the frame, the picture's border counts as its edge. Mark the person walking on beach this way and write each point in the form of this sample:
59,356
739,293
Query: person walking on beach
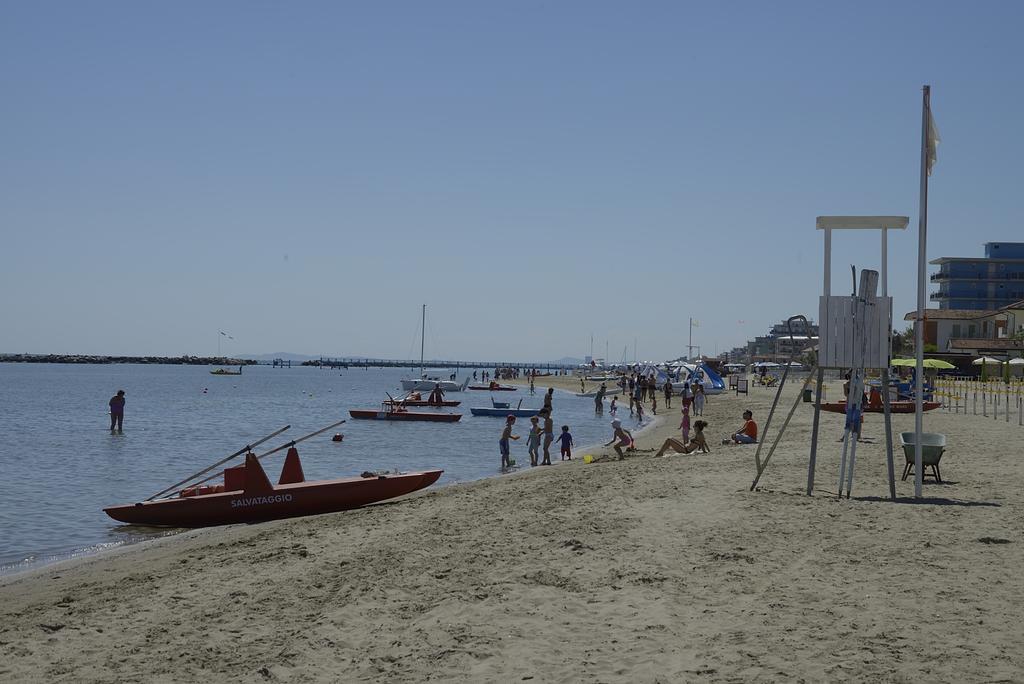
547,399
699,397
684,425
506,434
668,393
622,438
549,435
566,443
639,412
117,411
638,395
687,394
641,385
533,441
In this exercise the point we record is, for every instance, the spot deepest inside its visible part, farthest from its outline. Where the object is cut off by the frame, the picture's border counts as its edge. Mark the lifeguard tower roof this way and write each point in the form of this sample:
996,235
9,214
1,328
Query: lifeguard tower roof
868,222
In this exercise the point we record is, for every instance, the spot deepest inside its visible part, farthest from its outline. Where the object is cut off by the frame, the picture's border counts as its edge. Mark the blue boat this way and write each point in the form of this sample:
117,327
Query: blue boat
503,412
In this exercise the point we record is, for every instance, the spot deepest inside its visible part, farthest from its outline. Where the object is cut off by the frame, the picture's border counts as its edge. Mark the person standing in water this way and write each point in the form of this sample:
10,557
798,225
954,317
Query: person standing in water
549,435
547,399
503,445
117,411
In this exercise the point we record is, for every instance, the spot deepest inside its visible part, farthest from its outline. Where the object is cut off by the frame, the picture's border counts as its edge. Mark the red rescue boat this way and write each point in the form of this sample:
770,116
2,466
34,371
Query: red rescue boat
247,496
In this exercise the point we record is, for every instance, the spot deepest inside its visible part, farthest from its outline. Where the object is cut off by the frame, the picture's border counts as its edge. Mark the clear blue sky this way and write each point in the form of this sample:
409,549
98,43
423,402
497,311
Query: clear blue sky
305,175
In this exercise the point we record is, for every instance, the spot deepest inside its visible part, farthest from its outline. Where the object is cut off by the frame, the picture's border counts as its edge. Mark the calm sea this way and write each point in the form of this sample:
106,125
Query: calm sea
59,464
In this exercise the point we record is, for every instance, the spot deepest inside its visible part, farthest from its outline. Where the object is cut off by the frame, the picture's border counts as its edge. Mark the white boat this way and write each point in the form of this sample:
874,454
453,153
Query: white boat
427,382
610,392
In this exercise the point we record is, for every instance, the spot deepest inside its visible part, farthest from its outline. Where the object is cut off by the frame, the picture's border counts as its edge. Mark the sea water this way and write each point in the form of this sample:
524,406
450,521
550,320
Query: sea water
60,465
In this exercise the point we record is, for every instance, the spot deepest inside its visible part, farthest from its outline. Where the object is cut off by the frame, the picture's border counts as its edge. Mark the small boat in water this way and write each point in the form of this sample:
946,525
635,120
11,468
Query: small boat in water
226,371
389,411
501,409
247,494
493,387
421,402
503,412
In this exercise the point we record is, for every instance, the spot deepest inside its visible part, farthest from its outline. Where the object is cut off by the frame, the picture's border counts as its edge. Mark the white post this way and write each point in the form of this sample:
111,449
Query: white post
922,267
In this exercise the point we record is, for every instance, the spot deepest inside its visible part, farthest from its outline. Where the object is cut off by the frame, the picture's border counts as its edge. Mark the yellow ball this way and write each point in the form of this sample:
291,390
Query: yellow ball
587,458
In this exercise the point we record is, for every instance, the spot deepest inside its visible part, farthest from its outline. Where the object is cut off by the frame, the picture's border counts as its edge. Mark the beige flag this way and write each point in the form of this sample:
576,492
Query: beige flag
933,141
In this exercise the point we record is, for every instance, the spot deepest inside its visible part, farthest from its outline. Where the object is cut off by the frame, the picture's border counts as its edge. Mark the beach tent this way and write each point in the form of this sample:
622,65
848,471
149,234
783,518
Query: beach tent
986,361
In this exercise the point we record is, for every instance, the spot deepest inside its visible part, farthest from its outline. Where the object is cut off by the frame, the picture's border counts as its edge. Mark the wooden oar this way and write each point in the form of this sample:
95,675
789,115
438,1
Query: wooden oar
247,447
286,445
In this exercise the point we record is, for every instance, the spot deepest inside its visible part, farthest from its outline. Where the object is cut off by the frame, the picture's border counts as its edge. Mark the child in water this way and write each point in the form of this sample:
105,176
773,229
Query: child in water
566,442
624,437
506,435
533,441
614,408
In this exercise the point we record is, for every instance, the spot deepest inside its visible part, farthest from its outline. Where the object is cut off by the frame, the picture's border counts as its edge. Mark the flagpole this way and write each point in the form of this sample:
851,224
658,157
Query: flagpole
922,265
689,345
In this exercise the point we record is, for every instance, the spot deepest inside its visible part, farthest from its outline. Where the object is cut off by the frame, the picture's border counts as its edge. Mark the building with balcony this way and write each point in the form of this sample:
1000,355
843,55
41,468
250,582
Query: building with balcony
981,283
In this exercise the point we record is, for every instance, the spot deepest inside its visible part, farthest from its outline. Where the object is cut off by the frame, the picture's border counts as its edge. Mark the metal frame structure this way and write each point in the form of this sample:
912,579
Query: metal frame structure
857,329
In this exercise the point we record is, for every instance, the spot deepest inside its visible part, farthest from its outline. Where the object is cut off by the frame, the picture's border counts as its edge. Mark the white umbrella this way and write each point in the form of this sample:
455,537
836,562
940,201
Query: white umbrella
1016,362
986,360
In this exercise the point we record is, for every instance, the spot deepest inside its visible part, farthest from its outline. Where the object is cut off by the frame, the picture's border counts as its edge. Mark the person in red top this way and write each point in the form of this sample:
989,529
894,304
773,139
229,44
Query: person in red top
748,433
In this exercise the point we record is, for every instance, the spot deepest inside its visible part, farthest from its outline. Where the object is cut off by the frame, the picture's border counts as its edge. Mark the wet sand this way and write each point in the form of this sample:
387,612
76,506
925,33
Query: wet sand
644,570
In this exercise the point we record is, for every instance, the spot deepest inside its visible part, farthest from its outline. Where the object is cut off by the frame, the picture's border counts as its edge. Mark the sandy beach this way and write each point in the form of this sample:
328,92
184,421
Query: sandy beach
644,570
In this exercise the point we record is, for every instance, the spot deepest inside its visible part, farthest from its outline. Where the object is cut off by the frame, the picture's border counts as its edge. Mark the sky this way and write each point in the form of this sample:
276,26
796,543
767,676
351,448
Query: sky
304,176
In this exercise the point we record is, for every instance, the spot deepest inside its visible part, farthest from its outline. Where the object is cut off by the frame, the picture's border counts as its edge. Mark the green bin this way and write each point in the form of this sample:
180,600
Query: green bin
807,396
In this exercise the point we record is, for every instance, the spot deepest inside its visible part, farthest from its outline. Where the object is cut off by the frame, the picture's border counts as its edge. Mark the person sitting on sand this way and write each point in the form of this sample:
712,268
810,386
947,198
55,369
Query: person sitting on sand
748,433
506,435
698,443
624,437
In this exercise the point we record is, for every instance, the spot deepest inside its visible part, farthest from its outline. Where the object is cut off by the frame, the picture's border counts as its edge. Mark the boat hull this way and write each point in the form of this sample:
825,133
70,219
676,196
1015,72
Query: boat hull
894,407
372,414
499,388
420,402
504,412
284,501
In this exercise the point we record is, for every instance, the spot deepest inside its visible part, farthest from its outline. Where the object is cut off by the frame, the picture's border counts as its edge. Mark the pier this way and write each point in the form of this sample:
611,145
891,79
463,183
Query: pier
354,362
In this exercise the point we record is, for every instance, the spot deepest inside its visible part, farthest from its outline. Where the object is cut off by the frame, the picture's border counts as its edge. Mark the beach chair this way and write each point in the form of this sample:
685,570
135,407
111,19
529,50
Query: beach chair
933,445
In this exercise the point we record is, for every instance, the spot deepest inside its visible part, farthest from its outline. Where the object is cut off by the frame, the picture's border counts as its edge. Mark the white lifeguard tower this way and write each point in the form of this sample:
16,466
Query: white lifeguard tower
855,333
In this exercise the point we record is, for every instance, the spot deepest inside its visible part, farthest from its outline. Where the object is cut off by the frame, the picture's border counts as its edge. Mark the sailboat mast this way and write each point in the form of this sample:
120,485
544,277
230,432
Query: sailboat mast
423,332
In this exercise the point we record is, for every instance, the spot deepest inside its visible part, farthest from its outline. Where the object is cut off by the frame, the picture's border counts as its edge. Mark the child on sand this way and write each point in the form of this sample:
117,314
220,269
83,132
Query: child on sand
506,435
566,440
639,412
624,437
684,425
533,441
746,434
698,443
